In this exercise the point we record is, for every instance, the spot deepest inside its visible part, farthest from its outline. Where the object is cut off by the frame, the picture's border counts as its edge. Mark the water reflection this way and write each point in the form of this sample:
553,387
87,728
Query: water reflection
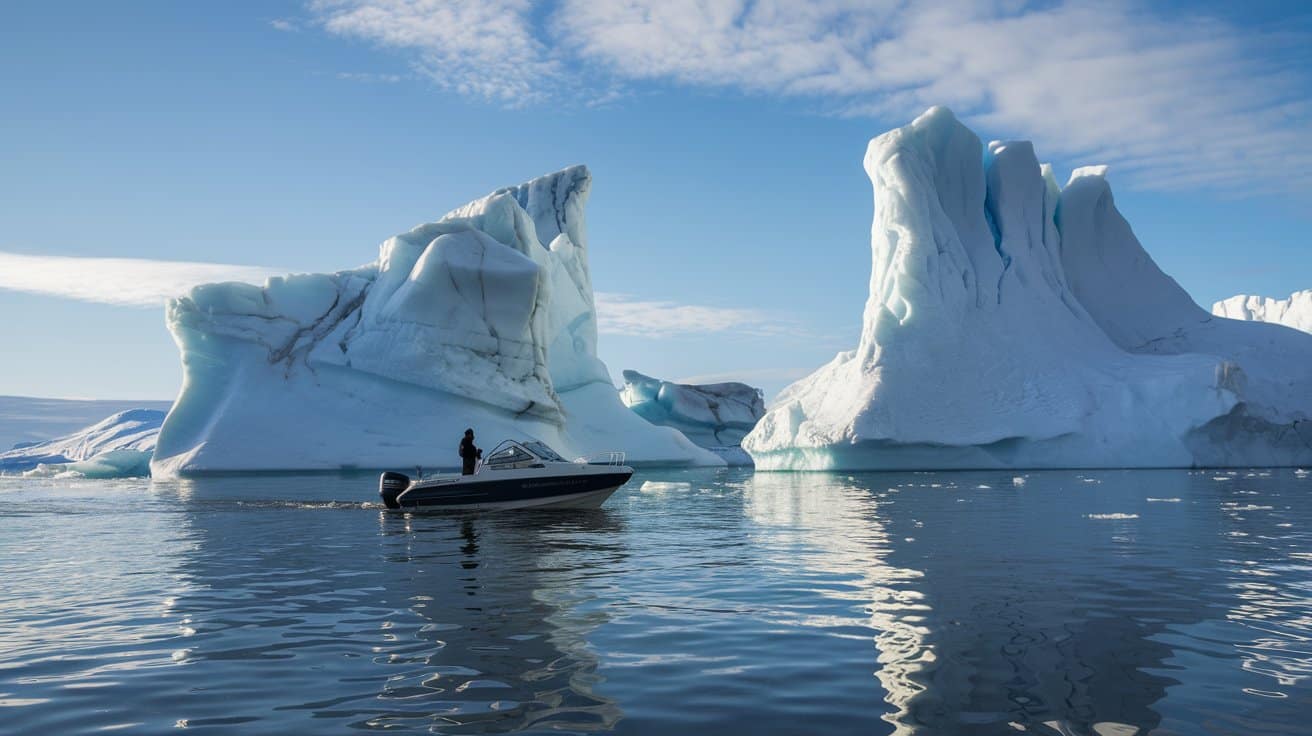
505,646
387,621
986,621
695,602
86,611
1270,577
835,528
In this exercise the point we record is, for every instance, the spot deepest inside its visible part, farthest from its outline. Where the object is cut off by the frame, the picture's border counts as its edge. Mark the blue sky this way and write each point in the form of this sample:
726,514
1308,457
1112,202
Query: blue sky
725,142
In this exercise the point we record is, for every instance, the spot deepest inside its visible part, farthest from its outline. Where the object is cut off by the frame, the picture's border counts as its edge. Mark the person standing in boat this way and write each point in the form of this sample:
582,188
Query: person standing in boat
469,454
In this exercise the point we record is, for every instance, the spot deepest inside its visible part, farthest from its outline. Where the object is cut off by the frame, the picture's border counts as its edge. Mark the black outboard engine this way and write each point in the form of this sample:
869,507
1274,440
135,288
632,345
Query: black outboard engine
391,485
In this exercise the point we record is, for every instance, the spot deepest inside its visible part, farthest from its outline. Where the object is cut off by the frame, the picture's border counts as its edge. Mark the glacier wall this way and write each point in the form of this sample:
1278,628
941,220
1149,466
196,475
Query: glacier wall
1016,323
483,319
1295,311
714,415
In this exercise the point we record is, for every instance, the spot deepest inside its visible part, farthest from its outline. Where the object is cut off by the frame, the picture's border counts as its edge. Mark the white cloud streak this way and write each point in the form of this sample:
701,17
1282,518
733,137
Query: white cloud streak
140,282
369,77
622,314
1174,101
131,282
750,376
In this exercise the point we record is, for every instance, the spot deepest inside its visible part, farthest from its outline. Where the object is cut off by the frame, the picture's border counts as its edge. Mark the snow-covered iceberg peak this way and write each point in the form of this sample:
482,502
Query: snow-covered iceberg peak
1295,311
484,318
997,332
714,415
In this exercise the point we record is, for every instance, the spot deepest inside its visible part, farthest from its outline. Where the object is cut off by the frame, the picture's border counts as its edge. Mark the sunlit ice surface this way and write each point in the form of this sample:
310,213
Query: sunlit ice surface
695,601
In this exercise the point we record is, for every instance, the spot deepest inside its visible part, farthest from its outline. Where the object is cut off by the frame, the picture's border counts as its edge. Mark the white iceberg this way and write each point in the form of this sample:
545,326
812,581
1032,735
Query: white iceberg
34,420
1015,324
714,415
483,319
120,445
1295,312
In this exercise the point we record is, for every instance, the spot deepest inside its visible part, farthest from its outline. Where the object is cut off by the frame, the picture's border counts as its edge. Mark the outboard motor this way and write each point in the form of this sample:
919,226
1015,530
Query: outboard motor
390,486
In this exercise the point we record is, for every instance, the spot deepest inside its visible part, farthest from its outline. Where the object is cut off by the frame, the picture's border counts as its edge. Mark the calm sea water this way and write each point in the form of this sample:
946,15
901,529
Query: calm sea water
1164,602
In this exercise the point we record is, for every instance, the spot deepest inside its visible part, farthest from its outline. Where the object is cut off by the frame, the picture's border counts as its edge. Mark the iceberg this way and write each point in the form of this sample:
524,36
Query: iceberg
120,445
485,319
715,415
1295,312
34,420
1014,323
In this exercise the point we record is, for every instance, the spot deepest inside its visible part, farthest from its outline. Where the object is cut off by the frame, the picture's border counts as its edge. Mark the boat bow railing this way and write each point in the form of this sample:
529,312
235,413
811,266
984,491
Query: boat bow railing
606,457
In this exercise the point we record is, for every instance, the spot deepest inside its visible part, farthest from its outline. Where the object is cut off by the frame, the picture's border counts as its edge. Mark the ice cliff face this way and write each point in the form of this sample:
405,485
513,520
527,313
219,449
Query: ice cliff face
119,445
1295,312
483,319
1014,323
715,415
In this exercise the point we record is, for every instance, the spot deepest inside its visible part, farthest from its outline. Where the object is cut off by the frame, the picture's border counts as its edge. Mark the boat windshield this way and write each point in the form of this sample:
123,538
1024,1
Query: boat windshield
510,454
544,452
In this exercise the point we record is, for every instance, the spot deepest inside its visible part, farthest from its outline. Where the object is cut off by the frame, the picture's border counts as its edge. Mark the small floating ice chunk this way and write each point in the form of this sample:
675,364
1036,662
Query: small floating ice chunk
656,486
1116,516
1164,500
1219,477
983,487
1018,481
1112,728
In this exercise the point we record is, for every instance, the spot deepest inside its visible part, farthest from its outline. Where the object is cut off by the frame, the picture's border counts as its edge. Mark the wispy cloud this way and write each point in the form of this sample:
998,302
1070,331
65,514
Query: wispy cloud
369,77
286,25
482,48
1174,99
622,314
750,376
133,282
141,282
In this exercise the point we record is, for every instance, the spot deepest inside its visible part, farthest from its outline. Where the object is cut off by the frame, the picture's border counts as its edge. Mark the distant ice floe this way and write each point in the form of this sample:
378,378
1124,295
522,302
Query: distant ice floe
1245,507
1163,500
654,486
1294,311
118,446
1116,516
714,415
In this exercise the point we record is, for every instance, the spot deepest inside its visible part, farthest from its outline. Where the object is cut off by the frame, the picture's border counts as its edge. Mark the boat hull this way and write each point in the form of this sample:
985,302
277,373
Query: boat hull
584,491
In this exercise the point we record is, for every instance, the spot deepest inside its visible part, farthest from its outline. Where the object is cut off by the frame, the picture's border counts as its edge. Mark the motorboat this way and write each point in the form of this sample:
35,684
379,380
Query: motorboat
514,475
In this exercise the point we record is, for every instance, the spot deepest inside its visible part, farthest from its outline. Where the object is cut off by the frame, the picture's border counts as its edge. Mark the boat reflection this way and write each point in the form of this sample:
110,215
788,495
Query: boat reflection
505,643
433,623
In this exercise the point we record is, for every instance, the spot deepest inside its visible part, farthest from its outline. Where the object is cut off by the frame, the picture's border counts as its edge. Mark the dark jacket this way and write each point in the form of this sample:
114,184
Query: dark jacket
468,456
